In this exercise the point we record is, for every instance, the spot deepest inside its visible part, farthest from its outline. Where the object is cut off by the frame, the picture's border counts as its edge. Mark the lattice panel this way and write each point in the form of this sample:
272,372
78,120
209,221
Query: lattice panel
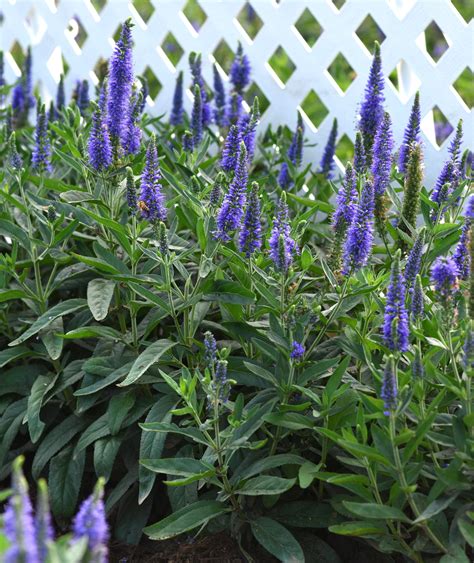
301,74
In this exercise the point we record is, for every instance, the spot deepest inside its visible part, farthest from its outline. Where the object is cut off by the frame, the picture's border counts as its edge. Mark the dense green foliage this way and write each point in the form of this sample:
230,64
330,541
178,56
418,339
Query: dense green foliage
104,374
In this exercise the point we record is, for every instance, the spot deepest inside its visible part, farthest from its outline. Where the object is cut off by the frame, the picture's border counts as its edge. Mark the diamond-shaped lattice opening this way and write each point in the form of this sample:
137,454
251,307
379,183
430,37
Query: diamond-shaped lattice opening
195,15
249,20
406,90
57,64
154,85
308,27
255,90
98,5
341,72
465,8
464,86
172,49
282,65
223,55
435,41
144,8
339,3
442,127
76,32
369,31
18,54
314,109
101,69
344,149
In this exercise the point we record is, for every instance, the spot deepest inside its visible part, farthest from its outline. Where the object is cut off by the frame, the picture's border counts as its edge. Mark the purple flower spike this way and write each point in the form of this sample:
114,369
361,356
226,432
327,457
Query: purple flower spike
360,163
196,116
14,158
152,200
83,97
413,264
19,525
231,149
41,159
455,146
177,111
90,522
389,390
60,95
382,156
220,111
120,87
99,146
248,128
327,161
360,235
133,133
462,255
195,66
470,208
240,70
411,135
297,351
371,111
250,239
417,308
295,155
235,108
282,246
210,349
188,141
444,276
395,327
230,214
346,202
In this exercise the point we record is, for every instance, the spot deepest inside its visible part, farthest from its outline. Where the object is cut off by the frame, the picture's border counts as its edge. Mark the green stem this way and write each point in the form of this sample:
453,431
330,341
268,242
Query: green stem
406,489
332,315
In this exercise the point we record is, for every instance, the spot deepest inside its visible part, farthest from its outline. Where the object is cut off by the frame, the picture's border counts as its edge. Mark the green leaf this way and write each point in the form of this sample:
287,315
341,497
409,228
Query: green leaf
277,540
93,332
9,294
55,440
146,359
7,356
268,463
40,387
291,420
265,485
193,433
467,530
307,473
304,514
225,291
65,477
181,466
105,452
99,294
358,528
456,555
52,342
151,444
185,519
435,507
118,410
377,511
9,229
59,310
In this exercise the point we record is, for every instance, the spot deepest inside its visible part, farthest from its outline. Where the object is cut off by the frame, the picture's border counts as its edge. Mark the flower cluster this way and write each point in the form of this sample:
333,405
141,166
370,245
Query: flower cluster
31,535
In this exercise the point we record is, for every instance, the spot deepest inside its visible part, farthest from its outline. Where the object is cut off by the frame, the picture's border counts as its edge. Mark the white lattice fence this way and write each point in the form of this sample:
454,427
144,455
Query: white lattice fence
54,29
